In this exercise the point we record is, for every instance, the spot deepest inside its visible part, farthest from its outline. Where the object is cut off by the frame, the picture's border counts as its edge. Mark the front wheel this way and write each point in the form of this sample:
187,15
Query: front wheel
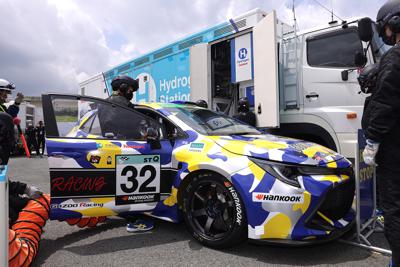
214,213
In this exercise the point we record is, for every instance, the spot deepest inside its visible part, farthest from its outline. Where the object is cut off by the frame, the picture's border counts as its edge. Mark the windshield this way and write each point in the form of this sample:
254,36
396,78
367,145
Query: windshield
208,122
378,46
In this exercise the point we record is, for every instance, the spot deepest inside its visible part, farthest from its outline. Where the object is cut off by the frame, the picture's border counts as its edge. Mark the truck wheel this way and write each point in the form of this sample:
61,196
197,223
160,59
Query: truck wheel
213,212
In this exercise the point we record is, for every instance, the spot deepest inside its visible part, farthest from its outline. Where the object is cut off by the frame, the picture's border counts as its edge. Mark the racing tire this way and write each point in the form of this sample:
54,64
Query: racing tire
213,211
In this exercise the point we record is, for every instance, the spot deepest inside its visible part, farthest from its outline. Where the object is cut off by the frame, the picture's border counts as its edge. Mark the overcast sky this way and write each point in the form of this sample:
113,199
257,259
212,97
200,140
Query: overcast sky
51,45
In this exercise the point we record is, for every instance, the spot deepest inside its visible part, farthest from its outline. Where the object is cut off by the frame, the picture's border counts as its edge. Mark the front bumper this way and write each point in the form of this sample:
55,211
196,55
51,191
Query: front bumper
324,214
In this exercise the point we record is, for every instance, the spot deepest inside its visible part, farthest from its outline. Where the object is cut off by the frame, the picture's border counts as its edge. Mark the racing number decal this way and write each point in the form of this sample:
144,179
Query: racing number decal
138,179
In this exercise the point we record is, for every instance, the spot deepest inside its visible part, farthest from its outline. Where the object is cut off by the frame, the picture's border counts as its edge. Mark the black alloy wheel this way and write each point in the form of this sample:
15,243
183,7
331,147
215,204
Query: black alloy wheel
214,212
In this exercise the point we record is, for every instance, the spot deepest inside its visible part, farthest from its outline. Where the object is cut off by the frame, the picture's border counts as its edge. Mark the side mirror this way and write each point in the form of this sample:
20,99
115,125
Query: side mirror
365,29
360,59
153,138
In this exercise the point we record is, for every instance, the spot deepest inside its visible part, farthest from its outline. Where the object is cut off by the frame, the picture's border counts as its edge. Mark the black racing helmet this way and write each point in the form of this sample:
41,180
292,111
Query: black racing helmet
202,103
122,83
243,104
389,14
367,78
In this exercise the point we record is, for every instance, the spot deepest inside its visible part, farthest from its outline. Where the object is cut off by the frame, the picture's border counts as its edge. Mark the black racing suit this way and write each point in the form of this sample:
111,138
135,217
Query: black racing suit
246,117
382,124
118,121
16,202
31,139
40,131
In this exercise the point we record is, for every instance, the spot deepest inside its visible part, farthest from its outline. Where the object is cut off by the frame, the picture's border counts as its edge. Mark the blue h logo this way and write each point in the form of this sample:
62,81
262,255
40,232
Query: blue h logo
242,54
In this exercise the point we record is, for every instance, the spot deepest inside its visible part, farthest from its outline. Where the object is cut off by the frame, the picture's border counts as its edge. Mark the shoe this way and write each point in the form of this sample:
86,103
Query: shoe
139,226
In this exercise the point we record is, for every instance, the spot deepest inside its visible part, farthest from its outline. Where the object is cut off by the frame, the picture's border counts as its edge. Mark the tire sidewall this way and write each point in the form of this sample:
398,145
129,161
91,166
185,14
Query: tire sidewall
238,232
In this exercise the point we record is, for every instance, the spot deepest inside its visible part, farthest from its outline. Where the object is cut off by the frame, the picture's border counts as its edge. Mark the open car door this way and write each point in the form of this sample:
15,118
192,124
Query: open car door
100,163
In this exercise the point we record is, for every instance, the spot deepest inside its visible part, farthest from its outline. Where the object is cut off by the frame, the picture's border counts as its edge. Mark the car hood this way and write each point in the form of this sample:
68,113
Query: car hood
281,149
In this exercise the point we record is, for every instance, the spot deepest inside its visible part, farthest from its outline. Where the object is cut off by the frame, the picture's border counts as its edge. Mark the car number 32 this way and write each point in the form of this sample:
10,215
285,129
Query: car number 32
138,174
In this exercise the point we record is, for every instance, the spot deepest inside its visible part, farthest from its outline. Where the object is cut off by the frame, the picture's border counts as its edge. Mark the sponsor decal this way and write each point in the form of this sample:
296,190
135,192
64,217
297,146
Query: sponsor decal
94,159
133,146
77,205
238,207
196,147
122,159
137,199
109,160
82,183
276,198
99,145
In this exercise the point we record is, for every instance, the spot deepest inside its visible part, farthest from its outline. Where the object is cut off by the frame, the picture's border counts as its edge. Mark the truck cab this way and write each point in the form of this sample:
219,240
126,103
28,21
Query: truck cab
299,84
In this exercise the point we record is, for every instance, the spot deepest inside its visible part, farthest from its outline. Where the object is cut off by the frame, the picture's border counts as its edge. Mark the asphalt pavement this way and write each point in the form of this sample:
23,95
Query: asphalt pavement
169,244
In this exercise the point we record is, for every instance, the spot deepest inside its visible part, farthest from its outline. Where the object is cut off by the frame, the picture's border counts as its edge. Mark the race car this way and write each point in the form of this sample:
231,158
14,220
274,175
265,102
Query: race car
227,180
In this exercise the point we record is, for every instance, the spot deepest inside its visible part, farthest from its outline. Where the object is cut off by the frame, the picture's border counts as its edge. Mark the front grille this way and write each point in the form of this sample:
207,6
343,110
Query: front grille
338,200
335,204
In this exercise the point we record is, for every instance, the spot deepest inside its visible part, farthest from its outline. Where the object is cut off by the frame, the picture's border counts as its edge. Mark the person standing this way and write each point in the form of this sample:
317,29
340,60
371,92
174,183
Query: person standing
6,89
382,125
40,134
31,139
244,113
123,88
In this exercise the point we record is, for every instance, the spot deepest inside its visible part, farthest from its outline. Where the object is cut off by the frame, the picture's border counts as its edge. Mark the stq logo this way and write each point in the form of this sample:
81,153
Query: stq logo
242,54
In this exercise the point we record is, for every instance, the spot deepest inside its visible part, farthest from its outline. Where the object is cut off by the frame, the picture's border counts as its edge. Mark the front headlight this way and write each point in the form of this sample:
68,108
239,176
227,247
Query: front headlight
289,173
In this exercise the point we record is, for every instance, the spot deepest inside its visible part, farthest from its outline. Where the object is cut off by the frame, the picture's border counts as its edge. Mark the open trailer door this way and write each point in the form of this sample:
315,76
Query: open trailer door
266,85
200,83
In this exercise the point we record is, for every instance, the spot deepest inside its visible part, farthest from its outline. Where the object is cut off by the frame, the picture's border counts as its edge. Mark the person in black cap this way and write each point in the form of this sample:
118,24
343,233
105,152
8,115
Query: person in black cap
244,113
382,125
123,88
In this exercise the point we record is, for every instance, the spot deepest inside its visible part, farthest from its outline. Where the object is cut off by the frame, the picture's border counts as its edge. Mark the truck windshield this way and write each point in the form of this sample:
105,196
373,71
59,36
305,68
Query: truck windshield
208,122
378,46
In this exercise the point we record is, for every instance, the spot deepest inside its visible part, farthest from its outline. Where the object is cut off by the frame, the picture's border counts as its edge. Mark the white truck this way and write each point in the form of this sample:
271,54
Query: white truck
299,84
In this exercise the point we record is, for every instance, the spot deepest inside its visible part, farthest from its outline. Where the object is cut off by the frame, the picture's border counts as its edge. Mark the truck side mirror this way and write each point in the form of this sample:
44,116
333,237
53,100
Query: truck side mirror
360,59
365,29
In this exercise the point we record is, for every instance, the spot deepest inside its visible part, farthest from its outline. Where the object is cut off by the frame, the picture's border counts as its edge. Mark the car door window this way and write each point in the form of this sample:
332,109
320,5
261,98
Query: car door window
99,119
335,49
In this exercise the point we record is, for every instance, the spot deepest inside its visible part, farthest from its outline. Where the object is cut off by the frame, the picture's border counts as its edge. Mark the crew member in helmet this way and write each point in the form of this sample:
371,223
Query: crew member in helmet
123,88
244,113
382,127
6,89
202,103
16,190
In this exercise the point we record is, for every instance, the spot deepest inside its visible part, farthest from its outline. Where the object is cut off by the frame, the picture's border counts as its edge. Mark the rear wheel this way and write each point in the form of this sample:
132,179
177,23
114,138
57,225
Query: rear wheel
214,212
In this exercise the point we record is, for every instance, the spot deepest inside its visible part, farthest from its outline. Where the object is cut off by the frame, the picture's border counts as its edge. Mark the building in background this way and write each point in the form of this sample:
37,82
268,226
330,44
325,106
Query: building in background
94,86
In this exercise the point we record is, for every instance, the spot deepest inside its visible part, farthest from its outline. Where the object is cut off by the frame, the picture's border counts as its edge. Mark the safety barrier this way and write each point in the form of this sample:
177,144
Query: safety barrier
367,221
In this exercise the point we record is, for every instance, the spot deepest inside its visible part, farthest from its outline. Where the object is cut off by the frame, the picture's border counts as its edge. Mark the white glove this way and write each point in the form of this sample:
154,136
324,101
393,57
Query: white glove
370,151
33,191
19,98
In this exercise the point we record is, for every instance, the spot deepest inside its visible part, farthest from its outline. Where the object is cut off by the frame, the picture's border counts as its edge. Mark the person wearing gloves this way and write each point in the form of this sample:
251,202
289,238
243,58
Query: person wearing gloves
123,88
6,89
382,125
